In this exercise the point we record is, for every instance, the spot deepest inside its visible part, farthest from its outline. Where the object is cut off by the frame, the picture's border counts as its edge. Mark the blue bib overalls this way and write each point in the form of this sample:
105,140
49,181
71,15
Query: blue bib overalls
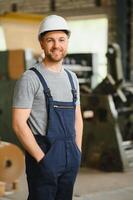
54,176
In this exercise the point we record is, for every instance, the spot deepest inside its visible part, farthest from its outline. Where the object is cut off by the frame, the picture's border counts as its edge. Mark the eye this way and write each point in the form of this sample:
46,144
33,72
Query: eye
49,40
62,39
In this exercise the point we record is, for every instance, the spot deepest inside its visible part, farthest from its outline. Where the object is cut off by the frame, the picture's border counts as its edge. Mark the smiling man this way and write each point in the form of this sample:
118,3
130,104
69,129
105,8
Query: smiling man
47,117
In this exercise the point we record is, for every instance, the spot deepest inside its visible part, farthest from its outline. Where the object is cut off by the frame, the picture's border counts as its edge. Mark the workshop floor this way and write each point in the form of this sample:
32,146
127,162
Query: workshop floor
92,185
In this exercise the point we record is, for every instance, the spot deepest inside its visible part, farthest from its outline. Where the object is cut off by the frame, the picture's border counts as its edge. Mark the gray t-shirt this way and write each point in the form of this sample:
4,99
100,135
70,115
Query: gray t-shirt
28,94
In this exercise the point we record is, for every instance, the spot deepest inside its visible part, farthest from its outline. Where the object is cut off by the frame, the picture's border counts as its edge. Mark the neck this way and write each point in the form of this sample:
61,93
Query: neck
53,66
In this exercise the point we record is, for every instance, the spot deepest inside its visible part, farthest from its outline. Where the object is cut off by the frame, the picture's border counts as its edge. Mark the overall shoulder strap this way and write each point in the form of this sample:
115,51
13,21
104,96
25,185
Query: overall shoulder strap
43,82
74,91
46,91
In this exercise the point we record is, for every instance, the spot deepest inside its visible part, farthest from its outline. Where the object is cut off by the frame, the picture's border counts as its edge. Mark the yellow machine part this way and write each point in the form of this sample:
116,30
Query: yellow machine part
11,162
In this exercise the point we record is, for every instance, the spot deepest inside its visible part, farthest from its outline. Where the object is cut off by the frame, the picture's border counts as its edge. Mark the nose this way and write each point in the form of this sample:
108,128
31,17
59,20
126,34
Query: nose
56,44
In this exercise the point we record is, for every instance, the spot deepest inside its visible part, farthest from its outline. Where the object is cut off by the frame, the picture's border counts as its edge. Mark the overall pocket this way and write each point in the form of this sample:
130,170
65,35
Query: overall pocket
46,164
78,152
77,148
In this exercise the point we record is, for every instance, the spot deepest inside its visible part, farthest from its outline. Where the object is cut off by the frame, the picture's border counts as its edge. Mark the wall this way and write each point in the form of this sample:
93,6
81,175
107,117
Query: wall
68,8
21,35
42,6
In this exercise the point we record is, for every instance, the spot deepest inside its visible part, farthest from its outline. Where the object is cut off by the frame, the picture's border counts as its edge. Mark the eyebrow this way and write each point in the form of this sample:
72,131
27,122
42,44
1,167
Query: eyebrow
62,37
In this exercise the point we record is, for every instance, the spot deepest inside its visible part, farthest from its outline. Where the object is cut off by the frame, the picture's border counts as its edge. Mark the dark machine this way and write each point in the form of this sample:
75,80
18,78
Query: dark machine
10,70
6,91
108,116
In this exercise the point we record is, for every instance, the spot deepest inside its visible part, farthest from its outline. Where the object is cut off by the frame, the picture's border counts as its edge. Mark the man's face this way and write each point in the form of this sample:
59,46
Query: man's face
55,45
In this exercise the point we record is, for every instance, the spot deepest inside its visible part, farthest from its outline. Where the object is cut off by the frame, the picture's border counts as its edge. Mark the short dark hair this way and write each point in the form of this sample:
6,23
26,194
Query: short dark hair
44,33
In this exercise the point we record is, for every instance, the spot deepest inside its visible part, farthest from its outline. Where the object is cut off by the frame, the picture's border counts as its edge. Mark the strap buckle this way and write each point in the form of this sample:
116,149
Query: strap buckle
74,92
48,93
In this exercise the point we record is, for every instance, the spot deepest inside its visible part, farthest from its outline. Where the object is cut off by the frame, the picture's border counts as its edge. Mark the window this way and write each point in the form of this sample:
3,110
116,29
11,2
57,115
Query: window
90,35
2,40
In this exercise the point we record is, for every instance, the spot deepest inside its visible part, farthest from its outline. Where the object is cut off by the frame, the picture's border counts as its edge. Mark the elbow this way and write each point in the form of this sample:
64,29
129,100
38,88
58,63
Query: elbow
17,125
19,119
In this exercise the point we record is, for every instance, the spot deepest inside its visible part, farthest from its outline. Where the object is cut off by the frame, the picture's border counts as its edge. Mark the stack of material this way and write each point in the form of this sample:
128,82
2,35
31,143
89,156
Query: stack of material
12,64
16,63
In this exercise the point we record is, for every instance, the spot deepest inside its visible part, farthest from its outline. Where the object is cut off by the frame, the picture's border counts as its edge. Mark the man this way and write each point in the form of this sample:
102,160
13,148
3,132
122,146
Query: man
47,117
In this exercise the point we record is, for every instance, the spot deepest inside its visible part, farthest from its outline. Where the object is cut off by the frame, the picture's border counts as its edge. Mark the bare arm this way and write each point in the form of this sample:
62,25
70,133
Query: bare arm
78,126
24,133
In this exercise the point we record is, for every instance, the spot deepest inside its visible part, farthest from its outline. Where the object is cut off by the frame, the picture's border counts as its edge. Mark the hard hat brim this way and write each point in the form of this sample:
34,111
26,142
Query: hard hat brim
68,33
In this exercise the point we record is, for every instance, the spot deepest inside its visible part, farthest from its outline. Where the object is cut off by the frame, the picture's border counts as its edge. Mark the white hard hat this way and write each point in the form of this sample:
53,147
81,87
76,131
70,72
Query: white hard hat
53,23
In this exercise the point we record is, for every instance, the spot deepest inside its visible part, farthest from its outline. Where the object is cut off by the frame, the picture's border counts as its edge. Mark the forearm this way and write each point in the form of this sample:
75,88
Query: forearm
28,141
25,134
79,128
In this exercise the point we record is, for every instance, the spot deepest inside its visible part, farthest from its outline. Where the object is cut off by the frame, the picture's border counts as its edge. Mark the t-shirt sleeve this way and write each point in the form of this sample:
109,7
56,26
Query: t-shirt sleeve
24,92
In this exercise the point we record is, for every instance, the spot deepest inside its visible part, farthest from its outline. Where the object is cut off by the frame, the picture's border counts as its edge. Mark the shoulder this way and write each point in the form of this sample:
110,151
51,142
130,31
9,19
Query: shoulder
29,79
74,77
30,75
71,73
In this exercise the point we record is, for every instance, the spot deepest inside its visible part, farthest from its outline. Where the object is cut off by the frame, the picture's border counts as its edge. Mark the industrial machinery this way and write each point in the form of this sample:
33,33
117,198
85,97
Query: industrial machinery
11,167
108,135
81,64
10,71
104,146
107,114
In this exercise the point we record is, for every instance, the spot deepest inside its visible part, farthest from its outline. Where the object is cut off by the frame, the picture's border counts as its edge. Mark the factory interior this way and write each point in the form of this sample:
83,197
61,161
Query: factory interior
100,52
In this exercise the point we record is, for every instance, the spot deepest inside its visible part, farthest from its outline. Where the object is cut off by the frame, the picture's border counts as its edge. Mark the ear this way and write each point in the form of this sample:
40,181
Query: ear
41,43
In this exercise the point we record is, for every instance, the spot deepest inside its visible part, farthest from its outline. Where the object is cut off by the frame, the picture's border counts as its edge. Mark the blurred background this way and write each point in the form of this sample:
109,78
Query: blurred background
101,54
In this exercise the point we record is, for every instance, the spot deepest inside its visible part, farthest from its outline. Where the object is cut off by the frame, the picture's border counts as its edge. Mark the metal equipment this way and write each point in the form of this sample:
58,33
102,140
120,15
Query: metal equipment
81,64
108,133
103,143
